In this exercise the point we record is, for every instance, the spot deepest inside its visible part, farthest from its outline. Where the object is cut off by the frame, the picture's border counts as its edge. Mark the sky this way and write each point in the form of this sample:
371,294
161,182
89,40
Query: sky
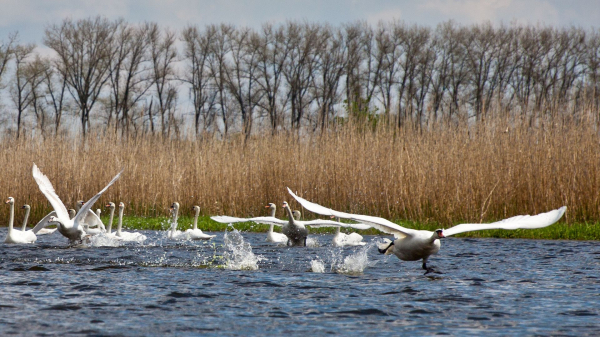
30,17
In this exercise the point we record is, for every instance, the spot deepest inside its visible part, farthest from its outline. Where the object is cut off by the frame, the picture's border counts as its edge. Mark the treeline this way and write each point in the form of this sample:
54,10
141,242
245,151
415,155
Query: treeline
134,79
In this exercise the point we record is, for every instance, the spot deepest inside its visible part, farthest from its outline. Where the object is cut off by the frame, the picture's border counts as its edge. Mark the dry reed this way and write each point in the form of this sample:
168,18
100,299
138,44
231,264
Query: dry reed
447,175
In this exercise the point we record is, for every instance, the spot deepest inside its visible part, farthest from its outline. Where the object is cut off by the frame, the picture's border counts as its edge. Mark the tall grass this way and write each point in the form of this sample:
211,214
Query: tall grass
437,175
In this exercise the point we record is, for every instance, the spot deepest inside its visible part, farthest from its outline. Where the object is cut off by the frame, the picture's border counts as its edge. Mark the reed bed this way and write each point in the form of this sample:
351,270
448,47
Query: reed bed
438,176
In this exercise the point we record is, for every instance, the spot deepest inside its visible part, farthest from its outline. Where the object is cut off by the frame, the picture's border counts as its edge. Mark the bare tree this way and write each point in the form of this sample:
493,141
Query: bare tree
25,81
163,54
196,50
129,75
84,52
7,53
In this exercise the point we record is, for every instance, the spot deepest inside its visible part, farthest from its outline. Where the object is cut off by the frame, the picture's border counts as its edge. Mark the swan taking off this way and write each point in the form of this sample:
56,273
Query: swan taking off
297,240
342,239
15,235
195,233
413,245
69,228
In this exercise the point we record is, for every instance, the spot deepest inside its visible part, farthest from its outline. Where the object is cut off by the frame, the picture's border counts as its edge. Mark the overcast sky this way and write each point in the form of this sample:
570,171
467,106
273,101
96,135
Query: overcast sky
29,17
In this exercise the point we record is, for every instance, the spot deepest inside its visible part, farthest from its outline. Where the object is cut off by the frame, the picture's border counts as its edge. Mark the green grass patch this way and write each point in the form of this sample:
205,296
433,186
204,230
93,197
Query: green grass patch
560,231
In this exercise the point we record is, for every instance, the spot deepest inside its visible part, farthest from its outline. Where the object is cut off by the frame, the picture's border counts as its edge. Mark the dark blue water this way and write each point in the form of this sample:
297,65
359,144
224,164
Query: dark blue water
489,286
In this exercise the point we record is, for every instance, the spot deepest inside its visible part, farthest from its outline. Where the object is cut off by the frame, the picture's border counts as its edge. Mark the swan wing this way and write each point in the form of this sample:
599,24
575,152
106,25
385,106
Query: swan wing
261,219
330,223
43,223
92,220
83,212
48,190
519,221
381,224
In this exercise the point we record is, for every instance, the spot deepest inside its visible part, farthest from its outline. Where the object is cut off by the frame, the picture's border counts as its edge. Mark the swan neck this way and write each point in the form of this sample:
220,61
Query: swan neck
273,211
271,226
120,222
196,220
110,220
12,217
337,231
27,210
174,224
433,237
290,215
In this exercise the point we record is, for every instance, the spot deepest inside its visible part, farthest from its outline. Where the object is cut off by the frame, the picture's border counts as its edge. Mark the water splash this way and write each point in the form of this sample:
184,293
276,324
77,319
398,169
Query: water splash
103,240
238,254
312,242
317,266
352,264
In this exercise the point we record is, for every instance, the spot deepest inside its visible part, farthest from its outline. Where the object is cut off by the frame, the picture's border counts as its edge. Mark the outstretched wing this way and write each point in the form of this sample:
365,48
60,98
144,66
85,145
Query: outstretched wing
519,221
43,223
269,220
92,220
46,187
83,212
329,223
381,224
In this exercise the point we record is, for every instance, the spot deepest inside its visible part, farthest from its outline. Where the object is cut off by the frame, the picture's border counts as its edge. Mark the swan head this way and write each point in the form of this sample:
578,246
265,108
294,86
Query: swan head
385,247
54,221
10,201
285,204
296,214
121,206
196,209
271,205
174,207
438,234
72,213
110,205
25,207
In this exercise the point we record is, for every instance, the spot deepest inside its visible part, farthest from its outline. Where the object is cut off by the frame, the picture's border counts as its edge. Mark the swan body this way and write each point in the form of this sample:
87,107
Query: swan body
175,234
295,230
195,233
413,245
92,224
126,236
15,235
69,228
341,239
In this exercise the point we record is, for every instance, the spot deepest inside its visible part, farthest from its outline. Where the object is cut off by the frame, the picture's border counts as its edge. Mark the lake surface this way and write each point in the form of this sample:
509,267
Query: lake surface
490,286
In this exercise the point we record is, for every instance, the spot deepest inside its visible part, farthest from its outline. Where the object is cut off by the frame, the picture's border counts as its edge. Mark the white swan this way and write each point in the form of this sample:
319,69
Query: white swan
175,234
127,236
271,235
15,235
296,230
413,245
70,228
111,208
43,231
341,239
195,233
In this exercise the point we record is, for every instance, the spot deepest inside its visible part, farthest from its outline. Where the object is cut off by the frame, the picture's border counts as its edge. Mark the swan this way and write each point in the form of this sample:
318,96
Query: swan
296,228
69,228
195,233
127,236
271,235
15,235
341,239
414,245
42,231
111,208
175,234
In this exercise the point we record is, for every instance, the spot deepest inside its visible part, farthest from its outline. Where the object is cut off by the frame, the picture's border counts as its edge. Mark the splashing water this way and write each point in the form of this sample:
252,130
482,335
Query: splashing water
103,240
317,266
352,264
312,242
239,254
